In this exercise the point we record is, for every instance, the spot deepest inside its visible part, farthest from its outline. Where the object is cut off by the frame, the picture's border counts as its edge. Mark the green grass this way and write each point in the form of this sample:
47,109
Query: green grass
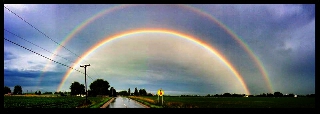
52,102
99,102
169,102
212,102
41,102
146,102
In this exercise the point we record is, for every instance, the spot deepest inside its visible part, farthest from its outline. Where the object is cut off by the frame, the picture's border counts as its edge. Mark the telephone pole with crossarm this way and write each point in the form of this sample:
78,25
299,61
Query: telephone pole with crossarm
85,78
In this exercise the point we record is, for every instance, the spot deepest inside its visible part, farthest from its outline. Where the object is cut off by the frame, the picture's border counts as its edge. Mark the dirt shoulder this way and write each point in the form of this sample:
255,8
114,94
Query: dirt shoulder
105,105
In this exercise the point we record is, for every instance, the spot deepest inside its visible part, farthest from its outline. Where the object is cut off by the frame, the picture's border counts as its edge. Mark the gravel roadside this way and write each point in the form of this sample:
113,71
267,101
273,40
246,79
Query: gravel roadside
105,105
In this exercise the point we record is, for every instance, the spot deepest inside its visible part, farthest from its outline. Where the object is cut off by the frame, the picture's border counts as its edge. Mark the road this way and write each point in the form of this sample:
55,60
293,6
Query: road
123,102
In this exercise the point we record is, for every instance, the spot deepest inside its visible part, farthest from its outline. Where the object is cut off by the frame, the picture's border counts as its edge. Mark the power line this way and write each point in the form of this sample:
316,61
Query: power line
44,56
40,47
37,45
44,34
41,31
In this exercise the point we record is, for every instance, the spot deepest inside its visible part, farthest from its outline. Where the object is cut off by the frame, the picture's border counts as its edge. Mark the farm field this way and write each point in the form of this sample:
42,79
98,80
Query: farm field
51,102
212,102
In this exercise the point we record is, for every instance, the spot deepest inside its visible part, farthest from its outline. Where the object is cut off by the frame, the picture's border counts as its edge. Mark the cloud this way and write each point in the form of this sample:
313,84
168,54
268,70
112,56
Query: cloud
24,61
280,35
28,78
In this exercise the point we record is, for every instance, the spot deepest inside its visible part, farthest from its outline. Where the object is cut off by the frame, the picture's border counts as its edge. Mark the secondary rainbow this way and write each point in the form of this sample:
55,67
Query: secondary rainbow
138,31
257,61
239,40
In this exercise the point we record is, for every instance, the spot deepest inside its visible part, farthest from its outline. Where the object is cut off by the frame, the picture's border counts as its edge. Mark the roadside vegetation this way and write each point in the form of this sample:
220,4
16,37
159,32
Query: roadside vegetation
53,102
230,102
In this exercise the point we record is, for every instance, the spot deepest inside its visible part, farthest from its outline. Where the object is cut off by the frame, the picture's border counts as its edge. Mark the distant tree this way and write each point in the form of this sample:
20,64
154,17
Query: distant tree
142,92
111,92
277,94
310,95
226,95
99,87
47,93
36,92
123,93
114,92
77,88
269,95
62,94
6,90
39,93
17,90
149,94
136,93
216,95
289,95
262,95
129,91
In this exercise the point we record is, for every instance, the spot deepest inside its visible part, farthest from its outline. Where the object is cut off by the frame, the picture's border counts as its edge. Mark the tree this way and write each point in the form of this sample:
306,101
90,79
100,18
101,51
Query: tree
124,93
47,93
129,91
6,90
99,87
17,90
226,95
277,94
142,92
111,92
114,92
37,92
136,93
77,88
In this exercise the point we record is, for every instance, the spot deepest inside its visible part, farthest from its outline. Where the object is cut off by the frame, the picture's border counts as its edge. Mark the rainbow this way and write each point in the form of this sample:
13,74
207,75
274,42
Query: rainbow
257,61
139,31
239,40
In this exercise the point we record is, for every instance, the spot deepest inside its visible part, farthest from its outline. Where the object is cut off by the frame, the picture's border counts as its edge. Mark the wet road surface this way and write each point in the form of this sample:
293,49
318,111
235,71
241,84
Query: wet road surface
123,102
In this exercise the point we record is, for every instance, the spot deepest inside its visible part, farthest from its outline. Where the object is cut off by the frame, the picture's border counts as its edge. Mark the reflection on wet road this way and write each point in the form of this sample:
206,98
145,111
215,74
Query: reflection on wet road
123,102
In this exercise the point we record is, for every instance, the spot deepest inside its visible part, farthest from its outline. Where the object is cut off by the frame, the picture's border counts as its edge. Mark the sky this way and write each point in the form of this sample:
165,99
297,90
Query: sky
182,48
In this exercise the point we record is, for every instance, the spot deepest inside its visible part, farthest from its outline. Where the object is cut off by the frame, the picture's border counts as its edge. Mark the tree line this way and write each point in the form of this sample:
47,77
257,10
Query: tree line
140,92
101,87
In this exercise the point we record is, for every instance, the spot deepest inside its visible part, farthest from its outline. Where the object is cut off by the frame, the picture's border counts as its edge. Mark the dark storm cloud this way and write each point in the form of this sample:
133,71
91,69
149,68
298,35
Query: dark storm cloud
30,78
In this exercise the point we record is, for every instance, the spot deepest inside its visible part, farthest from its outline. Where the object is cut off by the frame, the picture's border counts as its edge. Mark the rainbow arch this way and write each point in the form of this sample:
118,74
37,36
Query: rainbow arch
139,31
237,38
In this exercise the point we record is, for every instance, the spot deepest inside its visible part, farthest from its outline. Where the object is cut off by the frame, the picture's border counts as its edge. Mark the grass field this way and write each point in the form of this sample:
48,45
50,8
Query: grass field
169,102
241,102
52,102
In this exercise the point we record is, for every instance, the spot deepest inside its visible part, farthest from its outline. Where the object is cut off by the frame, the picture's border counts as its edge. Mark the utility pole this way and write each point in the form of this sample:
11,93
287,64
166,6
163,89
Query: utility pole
85,78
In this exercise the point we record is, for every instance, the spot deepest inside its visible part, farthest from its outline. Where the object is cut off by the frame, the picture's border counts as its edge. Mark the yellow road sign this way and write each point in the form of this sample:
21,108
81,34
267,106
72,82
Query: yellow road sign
160,92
